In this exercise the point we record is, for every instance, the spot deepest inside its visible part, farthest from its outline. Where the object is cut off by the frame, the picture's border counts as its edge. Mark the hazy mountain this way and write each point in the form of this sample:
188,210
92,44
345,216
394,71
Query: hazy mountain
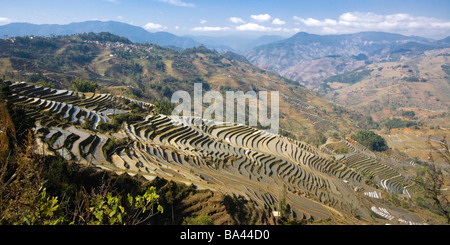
138,34
374,73
133,33
445,41
310,58
283,54
237,44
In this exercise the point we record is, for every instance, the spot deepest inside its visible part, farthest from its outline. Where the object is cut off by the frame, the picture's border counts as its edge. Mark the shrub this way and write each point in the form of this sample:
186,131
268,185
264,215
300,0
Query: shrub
81,85
409,114
398,123
371,140
202,219
164,107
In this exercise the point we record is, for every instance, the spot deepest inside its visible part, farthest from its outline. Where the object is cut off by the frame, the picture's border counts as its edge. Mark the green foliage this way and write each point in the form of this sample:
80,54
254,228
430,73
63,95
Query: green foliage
321,138
36,78
110,210
164,107
409,114
283,206
349,77
370,140
81,85
24,199
4,91
202,219
45,84
104,37
293,222
361,57
446,69
48,212
342,150
27,201
18,114
160,65
117,121
167,92
43,210
112,144
398,123
146,201
414,79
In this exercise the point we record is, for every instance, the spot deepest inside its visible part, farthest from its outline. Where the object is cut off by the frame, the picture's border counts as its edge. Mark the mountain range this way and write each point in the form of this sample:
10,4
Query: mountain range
134,33
138,34
334,65
282,56
376,73
313,164
299,47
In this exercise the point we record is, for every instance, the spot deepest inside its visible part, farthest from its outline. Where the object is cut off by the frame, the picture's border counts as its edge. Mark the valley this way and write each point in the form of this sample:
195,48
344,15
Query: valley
312,165
234,160
380,75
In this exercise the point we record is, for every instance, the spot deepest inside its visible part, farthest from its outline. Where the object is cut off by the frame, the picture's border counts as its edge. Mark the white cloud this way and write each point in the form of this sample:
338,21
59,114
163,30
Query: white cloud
119,17
257,27
356,21
203,21
278,22
4,20
210,28
236,20
178,3
251,27
261,28
261,17
152,26
309,21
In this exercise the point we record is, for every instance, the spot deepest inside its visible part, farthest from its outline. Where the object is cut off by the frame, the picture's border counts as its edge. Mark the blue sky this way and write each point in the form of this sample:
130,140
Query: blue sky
429,18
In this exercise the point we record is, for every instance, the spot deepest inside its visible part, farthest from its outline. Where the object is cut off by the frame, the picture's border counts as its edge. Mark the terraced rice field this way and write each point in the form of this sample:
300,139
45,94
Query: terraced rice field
234,159
367,164
413,143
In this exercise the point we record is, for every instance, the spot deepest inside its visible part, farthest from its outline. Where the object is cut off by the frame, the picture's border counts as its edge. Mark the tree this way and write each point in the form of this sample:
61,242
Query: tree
45,84
81,85
24,198
164,107
370,140
202,219
109,209
409,114
433,180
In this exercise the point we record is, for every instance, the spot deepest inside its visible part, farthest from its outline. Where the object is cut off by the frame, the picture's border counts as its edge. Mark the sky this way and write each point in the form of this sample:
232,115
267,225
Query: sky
426,18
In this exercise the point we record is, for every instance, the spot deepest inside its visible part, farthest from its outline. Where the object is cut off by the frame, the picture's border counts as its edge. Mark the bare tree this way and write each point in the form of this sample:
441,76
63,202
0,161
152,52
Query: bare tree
434,179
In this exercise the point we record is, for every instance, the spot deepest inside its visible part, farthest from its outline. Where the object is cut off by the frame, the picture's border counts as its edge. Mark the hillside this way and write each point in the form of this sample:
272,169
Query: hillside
418,83
310,171
153,73
310,59
354,186
381,75
134,33
138,34
303,47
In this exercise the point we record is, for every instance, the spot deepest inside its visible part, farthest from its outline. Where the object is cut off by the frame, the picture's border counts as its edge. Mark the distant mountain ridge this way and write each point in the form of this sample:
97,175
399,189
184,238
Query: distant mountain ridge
236,44
133,33
138,34
290,56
